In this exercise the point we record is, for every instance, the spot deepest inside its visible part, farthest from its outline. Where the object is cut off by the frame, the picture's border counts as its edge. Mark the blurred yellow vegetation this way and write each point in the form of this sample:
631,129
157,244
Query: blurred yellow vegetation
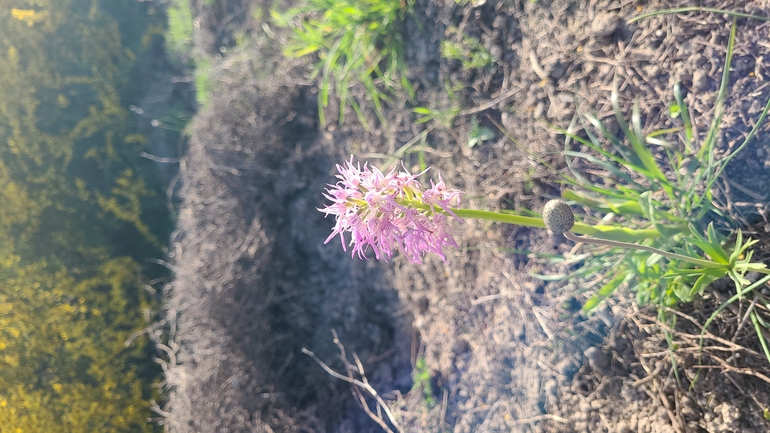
64,359
29,16
70,184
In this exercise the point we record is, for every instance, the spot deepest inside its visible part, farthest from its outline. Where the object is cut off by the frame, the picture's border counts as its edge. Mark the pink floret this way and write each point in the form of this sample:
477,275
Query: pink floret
386,213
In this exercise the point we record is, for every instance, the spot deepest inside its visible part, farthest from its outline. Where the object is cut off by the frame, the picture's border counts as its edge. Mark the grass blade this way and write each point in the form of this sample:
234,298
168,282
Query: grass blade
606,290
740,148
684,111
717,255
732,299
709,145
760,334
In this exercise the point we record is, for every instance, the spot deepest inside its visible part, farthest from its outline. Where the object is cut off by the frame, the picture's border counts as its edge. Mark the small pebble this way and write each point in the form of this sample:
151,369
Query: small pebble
597,359
550,387
496,52
585,407
699,81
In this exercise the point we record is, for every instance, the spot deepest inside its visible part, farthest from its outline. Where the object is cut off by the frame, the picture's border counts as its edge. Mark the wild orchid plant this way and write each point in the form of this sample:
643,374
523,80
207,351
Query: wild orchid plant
393,212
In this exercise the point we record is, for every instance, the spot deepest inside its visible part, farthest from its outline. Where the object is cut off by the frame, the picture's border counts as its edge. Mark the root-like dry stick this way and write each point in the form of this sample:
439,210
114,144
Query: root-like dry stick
707,334
483,426
444,406
729,368
545,417
744,320
649,377
362,384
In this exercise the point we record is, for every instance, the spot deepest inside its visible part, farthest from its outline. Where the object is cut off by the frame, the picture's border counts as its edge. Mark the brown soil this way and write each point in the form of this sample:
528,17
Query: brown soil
505,351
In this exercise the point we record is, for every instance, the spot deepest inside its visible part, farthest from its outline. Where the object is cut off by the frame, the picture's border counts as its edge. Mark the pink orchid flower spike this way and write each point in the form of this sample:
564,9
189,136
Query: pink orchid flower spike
390,212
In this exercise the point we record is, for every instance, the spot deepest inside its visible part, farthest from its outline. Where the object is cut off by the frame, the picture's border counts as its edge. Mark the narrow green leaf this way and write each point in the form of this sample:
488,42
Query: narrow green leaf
681,290
359,113
707,152
703,282
718,255
714,241
603,129
603,204
760,334
660,142
645,204
305,51
606,165
738,278
605,291
641,150
684,110
555,277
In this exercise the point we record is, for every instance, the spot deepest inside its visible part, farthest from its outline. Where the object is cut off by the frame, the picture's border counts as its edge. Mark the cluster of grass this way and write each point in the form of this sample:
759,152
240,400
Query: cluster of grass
471,53
361,43
357,42
421,377
667,190
179,33
179,45
203,80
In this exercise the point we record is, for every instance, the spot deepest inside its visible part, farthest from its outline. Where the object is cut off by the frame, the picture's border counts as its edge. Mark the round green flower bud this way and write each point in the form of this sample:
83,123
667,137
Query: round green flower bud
558,216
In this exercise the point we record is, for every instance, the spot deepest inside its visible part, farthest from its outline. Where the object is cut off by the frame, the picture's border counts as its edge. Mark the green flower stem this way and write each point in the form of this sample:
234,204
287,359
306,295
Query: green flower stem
600,235
601,232
500,217
610,233
618,234
674,256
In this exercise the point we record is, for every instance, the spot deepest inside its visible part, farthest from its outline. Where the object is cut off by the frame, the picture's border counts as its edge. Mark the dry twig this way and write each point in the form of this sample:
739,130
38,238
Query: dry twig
362,384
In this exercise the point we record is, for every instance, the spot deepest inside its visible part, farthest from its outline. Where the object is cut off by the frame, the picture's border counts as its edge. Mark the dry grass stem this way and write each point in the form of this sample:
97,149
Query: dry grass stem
545,417
362,384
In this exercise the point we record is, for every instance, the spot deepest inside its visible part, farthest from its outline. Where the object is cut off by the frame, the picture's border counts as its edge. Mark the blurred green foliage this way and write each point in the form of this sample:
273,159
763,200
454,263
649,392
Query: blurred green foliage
180,47
203,80
357,42
77,212
421,378
180,27
468,50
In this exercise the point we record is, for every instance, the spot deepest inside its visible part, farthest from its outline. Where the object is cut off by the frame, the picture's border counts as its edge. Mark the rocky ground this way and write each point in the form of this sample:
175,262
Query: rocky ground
500,349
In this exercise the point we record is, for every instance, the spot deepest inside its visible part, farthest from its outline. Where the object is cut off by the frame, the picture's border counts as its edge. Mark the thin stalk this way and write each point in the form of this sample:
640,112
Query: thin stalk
500,217
698,9
732,299
736,151
760,335
580,228
610,233
709,144
616,244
